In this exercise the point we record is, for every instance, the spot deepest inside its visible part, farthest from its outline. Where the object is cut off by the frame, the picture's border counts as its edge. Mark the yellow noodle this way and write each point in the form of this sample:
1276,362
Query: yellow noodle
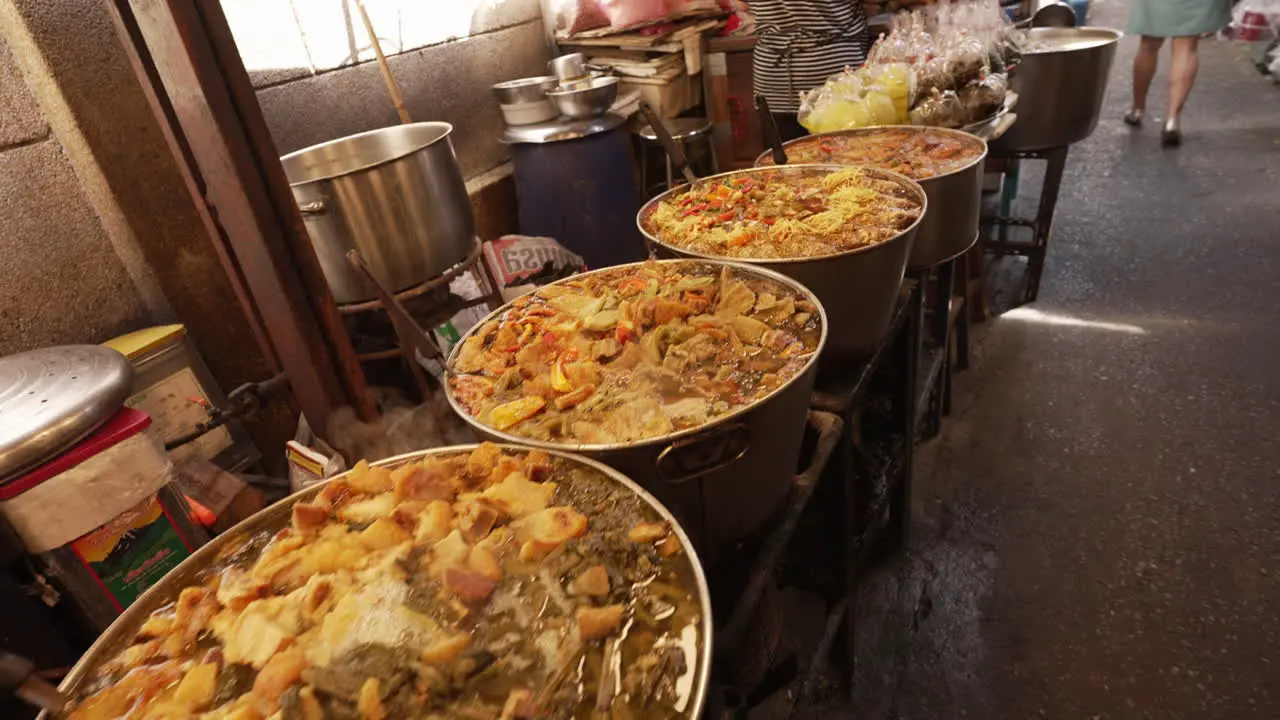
859,209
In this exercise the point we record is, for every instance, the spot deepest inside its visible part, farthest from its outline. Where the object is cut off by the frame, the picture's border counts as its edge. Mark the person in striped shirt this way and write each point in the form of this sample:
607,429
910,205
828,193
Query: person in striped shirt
801,44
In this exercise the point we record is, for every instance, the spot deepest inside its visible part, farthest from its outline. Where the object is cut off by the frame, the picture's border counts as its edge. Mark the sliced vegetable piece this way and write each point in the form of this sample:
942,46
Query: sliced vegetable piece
597,623
515,412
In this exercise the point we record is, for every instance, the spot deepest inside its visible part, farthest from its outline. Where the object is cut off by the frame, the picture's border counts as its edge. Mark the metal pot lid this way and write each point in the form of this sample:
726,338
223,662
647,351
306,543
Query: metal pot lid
561,129
52,398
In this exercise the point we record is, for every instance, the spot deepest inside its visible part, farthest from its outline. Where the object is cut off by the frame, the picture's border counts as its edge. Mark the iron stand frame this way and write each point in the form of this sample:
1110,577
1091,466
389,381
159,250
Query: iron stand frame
1041,225
869,523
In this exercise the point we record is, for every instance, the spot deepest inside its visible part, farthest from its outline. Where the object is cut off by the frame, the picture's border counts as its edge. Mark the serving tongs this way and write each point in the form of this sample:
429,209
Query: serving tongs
672,148
771,135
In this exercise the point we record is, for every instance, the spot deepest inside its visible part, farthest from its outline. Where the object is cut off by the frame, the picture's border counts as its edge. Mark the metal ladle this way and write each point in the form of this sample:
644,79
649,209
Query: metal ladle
771,135
672,148
408,328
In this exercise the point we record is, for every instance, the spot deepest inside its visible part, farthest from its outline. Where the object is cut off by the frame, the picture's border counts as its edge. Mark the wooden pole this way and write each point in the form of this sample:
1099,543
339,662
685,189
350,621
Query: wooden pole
392,87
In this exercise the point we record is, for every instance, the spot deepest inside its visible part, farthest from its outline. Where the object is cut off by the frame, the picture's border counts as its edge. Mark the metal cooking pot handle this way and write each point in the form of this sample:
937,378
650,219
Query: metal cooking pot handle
693,457
1000,127
830,428
315,207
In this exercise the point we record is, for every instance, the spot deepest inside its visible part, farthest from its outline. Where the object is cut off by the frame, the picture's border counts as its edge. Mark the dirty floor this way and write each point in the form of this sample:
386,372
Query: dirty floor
1098,528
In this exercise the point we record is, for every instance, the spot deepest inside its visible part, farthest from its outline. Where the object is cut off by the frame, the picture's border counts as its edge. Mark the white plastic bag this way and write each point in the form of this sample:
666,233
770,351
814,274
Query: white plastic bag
1255,20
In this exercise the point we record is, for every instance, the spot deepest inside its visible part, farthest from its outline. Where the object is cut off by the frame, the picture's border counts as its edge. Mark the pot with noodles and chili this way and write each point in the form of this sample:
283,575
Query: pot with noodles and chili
472,582
845,233
947,163
691,377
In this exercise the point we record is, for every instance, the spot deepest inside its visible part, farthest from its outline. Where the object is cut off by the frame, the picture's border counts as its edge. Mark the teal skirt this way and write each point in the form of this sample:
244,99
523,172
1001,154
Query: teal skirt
1178,18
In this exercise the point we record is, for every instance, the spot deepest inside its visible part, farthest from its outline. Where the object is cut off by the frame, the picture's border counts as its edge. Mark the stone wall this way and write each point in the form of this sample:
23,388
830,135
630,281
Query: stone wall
60,279
98,233
314,68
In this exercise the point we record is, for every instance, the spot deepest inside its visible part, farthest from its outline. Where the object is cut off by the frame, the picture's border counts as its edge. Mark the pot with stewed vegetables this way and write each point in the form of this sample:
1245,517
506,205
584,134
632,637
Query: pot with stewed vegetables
691,377
843,232
947,163
465,582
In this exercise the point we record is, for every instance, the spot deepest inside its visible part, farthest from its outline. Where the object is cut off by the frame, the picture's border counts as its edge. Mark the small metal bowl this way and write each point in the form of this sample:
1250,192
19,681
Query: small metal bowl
569,68
589,102
524,90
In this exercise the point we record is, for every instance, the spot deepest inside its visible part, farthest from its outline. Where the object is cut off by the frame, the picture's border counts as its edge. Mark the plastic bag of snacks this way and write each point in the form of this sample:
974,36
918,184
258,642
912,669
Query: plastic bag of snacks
871,95
941,108
939,65
878,93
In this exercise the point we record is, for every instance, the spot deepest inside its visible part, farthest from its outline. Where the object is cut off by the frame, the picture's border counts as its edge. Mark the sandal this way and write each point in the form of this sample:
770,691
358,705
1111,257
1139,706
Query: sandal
1133,118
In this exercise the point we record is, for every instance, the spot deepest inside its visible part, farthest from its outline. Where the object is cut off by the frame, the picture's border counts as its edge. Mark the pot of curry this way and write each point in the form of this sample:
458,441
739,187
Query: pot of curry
947,163
690,377
467,582
843,232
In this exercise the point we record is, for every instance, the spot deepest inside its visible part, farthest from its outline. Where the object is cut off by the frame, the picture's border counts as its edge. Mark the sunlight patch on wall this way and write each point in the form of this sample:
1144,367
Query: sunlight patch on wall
318,35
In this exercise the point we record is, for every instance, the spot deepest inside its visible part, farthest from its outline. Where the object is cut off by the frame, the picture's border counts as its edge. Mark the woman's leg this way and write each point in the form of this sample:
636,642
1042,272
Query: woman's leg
1144,69
1182,73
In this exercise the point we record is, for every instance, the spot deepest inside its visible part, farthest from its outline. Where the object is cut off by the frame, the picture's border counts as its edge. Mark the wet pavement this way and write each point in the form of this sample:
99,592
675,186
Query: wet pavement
1098,528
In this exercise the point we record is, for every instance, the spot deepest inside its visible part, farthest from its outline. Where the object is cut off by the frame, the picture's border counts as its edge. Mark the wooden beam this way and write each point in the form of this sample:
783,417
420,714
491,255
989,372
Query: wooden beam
302,254
185,54
136,50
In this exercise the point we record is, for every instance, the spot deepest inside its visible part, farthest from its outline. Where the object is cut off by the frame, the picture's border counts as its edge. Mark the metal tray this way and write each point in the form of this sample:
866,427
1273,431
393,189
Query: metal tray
117,637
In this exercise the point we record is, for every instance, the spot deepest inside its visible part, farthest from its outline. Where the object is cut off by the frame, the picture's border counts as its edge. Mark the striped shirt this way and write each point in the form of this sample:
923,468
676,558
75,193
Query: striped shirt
804,42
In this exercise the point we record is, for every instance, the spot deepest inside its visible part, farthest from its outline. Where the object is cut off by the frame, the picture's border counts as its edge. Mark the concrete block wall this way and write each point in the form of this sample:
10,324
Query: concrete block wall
314,68
60,278
98,233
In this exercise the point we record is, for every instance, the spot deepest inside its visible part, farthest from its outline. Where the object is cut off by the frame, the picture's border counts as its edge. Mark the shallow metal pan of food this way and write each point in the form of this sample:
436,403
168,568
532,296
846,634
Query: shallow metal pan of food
277,516
858,288
950,226
724,479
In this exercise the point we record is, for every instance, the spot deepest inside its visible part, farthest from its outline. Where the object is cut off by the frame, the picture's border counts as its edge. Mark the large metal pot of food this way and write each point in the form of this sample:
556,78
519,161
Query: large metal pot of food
947,164
396,194
691,377
843,232
458,581
1061,81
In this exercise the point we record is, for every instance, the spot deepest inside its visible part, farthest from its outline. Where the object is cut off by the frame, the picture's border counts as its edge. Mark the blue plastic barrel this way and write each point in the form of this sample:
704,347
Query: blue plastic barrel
582,193
1081,9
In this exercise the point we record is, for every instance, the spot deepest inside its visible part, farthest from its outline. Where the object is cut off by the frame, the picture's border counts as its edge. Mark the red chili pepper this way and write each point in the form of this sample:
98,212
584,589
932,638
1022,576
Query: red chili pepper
624,333
695,209
769,221
726,216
